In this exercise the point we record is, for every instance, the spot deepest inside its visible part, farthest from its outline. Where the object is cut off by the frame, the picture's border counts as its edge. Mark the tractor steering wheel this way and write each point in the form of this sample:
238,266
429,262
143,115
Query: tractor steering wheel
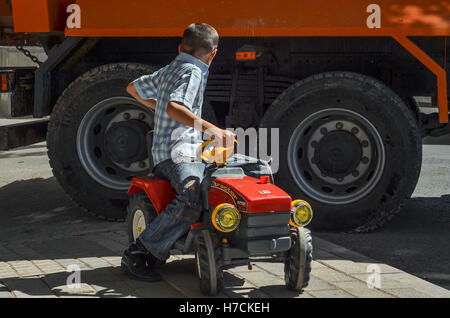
210,152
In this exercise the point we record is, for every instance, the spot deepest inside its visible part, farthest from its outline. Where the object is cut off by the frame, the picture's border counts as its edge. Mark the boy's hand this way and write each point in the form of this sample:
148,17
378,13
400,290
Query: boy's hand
183,115
225,138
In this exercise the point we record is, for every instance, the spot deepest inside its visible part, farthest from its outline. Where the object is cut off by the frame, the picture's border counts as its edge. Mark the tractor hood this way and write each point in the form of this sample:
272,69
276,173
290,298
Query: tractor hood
249,195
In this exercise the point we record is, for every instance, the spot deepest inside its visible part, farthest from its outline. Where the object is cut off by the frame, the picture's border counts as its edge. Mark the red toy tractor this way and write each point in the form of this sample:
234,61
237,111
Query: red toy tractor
245,218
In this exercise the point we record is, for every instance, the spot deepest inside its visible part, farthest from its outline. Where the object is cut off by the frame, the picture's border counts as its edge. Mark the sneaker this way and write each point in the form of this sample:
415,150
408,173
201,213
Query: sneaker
152,261
134,265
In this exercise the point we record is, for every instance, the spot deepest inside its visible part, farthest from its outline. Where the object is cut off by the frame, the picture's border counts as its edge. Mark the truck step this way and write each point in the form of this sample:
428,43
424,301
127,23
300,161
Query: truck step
20,132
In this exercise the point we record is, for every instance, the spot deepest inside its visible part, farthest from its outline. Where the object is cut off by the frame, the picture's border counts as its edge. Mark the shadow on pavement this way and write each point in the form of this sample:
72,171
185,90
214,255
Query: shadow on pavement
417,240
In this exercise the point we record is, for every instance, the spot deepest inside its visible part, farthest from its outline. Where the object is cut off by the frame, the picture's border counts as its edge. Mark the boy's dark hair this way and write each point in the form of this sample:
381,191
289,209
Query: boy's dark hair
199,39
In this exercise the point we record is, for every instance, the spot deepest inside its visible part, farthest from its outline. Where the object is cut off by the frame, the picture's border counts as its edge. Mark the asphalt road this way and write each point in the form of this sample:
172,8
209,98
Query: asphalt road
417,240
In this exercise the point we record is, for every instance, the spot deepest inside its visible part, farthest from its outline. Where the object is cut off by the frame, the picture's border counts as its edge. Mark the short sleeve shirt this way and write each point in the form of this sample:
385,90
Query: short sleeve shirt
182,81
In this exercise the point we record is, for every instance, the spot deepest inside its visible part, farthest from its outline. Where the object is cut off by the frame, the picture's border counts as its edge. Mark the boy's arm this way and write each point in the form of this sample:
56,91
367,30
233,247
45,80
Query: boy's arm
151,103
182,114
145,88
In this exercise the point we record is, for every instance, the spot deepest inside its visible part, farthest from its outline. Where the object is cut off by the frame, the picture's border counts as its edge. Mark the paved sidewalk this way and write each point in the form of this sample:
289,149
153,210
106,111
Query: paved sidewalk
37,268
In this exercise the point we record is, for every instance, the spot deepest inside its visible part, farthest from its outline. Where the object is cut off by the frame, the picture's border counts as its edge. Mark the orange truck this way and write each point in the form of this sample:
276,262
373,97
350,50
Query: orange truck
339,79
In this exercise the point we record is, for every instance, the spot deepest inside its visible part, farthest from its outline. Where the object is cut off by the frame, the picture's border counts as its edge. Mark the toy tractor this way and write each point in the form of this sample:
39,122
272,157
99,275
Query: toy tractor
245,218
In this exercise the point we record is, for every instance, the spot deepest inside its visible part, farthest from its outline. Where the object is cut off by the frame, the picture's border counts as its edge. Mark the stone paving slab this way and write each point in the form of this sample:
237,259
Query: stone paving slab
27,287
4,292
393,281
39,269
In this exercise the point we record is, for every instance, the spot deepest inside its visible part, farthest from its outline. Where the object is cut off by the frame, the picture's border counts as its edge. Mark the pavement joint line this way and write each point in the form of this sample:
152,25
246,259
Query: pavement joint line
9,289
111,238
174,286
349,275
267,271
352,275
251,283
335,250
49,287
354,278
179,289
100,242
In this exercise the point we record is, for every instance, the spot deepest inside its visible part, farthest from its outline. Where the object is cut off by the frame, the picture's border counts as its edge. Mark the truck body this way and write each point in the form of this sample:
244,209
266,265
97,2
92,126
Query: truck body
337,79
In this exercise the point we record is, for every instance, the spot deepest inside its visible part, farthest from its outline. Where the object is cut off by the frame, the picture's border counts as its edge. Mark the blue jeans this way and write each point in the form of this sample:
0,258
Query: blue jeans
175,220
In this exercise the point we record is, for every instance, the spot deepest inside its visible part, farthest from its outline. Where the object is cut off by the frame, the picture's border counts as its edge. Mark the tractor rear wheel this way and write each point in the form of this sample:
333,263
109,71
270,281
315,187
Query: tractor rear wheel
140,213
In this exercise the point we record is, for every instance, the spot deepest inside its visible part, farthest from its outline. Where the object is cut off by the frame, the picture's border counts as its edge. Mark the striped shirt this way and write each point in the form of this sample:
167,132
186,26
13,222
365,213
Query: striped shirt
182,81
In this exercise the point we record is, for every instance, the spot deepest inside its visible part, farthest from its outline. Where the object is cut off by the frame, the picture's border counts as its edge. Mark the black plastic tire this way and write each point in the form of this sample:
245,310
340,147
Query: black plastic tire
95,86
297,266
398,136
208,262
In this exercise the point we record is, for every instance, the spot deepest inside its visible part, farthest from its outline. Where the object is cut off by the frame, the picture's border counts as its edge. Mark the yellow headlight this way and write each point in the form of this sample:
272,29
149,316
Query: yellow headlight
301,213
226,217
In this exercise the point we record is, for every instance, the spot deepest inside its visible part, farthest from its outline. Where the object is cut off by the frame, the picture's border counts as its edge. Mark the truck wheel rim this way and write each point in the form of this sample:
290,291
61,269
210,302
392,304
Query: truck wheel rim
336,156
139,223
111,141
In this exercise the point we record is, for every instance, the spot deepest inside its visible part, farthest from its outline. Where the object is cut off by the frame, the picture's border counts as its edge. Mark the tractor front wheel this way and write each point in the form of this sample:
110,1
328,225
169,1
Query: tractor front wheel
208,263
297,265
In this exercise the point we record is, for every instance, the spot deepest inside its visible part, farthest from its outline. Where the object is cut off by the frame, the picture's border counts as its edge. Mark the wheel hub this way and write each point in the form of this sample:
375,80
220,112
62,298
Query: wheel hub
111,141
125,142
338,154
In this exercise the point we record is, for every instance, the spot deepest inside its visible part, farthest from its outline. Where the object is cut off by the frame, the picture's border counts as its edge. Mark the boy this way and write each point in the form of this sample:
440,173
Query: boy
175,92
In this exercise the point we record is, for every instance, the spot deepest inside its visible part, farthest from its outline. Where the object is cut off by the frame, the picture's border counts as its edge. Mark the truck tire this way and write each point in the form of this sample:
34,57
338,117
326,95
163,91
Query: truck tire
352,149
97,138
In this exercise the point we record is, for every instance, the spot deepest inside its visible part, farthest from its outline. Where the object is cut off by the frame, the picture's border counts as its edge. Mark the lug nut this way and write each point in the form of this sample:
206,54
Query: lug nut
126,116
141,116
323,131
142,164
355,173
340,179
323,175
365,160
314,160
355,130
339,125
314,144
364,143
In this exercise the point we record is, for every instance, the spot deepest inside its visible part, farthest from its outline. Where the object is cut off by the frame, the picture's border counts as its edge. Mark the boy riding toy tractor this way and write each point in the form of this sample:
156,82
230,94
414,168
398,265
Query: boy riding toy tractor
244,218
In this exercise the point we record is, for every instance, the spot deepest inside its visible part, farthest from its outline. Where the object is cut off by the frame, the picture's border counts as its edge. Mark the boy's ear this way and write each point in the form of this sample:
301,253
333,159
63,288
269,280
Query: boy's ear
212,55
180,48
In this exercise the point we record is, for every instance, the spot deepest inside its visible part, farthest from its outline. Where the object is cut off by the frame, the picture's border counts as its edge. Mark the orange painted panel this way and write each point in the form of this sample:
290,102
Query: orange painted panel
262,18
39,15
236,17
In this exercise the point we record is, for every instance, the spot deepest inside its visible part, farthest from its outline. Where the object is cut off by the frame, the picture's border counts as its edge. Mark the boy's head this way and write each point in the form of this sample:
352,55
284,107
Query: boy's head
200,40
